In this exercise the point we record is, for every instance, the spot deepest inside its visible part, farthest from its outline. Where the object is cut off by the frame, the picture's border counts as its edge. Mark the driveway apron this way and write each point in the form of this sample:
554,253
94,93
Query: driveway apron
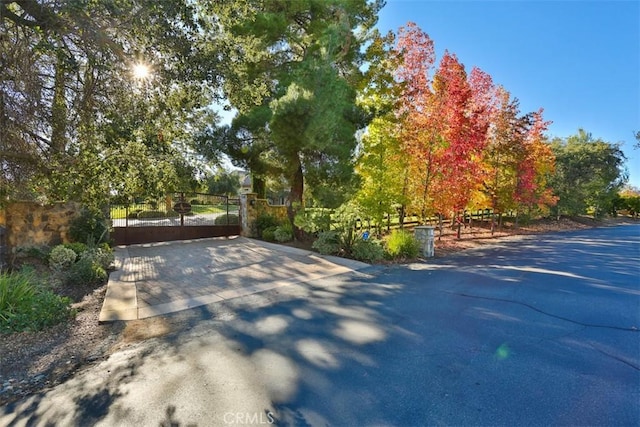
160,278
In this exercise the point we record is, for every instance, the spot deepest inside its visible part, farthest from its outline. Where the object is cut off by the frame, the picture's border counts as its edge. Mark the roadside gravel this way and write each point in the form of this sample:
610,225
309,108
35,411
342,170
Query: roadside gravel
32,361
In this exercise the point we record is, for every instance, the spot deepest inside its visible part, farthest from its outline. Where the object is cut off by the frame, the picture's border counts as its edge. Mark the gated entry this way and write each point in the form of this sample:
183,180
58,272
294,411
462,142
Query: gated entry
177,216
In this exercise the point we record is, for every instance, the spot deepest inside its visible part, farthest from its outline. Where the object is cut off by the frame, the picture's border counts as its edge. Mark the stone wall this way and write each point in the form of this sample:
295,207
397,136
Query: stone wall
31,224
252,207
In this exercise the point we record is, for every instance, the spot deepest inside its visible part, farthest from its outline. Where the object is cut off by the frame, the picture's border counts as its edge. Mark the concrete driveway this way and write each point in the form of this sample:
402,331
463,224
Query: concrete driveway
542,331
161,278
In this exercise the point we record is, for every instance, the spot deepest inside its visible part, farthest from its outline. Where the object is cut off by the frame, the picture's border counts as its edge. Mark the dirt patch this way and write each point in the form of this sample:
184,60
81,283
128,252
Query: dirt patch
480,234
140,330
32,361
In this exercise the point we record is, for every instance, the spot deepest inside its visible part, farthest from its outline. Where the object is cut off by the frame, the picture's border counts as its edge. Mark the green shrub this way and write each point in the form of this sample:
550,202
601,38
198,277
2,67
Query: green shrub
313,220
367,250
100,256
27,306
133,214
15,289
345,218
227,219
283,233
61,258
269,234
402,244
86,272
90,227
265,221
151,214
327,243
38,252
77,247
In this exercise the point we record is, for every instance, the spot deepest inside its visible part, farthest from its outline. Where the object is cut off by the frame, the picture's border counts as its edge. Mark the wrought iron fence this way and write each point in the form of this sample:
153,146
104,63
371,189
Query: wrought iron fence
177,209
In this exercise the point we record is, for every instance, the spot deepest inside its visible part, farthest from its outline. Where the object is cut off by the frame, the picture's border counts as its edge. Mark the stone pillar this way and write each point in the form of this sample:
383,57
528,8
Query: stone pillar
425,236
248,213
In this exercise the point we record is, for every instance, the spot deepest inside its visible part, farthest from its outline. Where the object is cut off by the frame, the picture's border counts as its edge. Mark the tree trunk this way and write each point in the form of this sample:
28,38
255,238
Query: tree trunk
259,187
58,110
493,216
295,199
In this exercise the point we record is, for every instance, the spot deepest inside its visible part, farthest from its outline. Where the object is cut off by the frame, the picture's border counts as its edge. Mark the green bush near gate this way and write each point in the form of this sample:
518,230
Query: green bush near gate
231,219
86,272
61,258
266,222
132,215
77,247
151,215
269,234
101,256
86,267
283,233
90,226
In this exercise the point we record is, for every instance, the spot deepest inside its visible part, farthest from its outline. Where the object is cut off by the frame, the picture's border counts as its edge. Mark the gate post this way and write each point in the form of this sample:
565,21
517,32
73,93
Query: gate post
248,213
425,236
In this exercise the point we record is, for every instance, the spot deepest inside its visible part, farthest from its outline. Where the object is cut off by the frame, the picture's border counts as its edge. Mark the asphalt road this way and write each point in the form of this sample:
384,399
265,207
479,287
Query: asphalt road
543,331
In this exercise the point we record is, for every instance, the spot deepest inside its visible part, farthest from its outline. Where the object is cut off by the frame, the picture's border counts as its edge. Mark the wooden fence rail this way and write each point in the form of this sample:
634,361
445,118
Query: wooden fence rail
467,219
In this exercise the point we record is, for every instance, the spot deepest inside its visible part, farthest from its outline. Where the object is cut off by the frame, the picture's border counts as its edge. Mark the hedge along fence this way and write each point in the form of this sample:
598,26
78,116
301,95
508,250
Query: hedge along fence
28,224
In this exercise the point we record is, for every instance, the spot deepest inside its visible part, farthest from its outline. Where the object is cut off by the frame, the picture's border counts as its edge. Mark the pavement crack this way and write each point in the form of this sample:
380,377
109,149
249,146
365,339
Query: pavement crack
613,356
555,316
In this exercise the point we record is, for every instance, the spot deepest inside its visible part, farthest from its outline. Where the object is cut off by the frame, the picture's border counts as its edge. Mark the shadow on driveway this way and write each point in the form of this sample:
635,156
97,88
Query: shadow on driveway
536,333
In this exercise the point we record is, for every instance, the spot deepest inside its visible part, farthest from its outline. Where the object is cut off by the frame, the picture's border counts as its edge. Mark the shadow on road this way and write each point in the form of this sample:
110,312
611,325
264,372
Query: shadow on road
536,332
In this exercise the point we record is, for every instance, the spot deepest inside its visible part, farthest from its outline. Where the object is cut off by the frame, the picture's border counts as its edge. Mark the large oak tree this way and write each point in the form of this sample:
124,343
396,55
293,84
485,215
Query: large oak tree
73,122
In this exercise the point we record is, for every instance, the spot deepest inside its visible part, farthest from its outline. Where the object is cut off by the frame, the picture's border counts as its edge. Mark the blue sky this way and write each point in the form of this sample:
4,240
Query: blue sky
579,60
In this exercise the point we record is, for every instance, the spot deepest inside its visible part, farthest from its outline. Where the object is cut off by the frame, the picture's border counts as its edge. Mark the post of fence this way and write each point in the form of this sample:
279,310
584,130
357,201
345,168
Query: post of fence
425,236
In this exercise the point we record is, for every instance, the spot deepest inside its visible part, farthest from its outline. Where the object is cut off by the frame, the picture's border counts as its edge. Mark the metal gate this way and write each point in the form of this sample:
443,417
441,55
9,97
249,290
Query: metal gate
177,216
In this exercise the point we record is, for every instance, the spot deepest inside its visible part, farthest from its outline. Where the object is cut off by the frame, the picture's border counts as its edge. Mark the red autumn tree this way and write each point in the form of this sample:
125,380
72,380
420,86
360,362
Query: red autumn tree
516,160
417,132
537,164
464,120
504,153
